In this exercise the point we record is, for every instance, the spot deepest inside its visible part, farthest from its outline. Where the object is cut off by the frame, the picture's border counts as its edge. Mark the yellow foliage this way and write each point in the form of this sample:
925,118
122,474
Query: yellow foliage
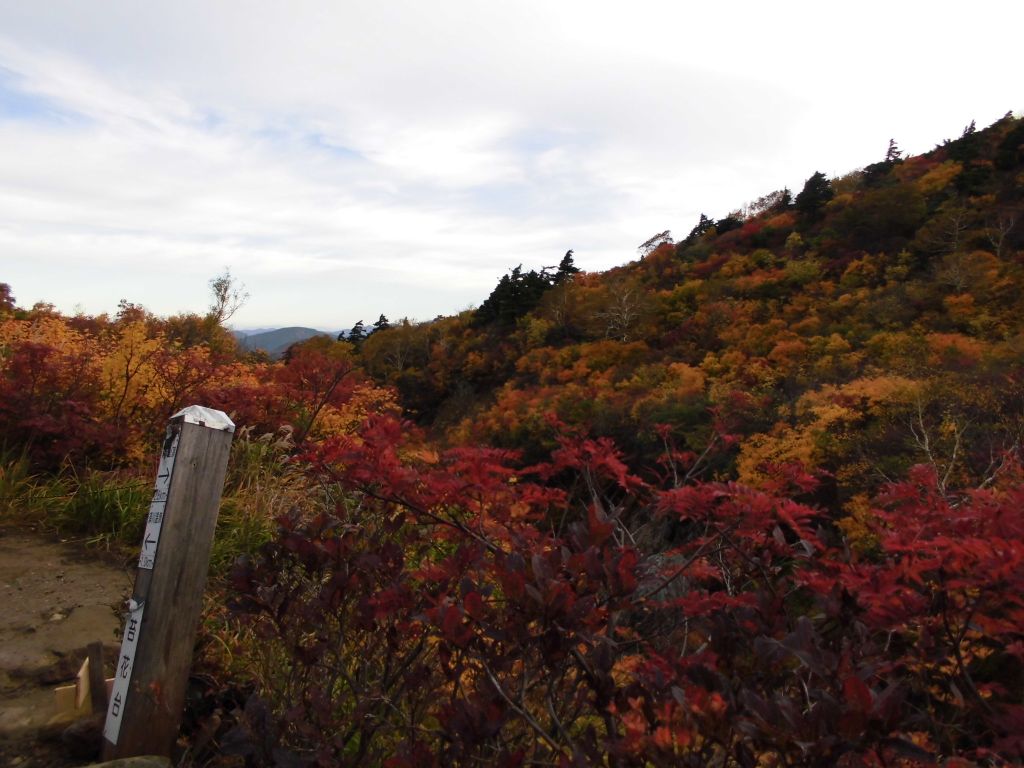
537,331
245,374
736,265
847,302
681,383
755,338
783,446
837,345
806,325
977,272
346,419
894,349
939,178
716,364
913,168
863,271
879,392
828,414
127,372
841,200
823,409
51,330
825,415
54,332
687,381
857,525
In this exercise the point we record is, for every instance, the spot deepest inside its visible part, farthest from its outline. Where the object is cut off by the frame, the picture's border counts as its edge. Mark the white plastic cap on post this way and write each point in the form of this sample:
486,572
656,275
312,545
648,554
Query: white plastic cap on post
205,417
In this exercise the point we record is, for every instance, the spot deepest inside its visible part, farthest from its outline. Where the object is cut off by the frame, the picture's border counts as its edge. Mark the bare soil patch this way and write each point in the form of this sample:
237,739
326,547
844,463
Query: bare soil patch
55,598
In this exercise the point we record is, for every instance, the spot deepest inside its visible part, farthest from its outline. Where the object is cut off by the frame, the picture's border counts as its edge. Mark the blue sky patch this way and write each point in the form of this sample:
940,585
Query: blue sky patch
16,104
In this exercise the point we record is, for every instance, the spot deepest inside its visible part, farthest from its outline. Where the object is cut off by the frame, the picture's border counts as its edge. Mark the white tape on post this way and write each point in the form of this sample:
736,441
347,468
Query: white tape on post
155,518
123,673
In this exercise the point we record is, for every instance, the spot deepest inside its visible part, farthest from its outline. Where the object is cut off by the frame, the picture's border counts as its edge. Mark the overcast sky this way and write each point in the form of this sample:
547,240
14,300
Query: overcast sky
350,158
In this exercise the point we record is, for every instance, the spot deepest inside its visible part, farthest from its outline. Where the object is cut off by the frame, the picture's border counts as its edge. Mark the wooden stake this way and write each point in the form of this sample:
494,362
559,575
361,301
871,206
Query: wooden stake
97,681
150,681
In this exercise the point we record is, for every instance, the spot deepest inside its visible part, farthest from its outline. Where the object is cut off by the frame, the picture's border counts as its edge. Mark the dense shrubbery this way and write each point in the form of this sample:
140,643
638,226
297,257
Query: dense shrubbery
83,403
456,609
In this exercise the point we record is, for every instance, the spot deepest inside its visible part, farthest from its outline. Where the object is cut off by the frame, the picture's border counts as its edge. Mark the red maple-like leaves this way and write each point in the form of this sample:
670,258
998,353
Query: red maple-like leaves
527,623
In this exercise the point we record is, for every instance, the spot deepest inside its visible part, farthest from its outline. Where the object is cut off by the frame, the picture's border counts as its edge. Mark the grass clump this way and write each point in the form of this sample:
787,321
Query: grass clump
260,486
27,498
105,507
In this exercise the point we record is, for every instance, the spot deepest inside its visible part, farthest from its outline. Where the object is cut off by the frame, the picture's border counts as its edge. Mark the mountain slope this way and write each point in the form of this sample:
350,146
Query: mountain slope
870,323
276,342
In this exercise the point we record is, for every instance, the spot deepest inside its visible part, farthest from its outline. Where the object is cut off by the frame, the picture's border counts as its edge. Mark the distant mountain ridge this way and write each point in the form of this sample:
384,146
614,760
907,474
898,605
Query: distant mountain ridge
275,342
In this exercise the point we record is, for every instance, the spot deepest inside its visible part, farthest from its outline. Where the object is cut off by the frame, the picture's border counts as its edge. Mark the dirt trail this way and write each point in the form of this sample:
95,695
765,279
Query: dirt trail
55,598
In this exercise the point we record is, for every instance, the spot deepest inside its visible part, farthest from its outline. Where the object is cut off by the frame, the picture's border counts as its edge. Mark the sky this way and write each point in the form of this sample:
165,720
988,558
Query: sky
351,158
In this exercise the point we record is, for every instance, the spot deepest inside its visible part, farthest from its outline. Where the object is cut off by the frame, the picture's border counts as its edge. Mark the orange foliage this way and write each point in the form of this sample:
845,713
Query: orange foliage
782,221
954,350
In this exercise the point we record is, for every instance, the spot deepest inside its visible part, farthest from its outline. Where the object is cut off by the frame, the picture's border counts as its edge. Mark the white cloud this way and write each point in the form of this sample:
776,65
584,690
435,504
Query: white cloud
347,159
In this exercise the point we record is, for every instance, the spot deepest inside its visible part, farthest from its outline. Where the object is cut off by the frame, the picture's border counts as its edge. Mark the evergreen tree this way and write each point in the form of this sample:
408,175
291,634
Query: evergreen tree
704,225
382,324
516,294
728,224
356,335
816,193
878,173
1010,152
968,146
893,154
566,269
785,200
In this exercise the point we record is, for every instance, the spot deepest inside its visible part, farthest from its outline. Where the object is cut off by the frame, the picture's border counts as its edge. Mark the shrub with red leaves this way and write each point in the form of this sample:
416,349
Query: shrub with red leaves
453,609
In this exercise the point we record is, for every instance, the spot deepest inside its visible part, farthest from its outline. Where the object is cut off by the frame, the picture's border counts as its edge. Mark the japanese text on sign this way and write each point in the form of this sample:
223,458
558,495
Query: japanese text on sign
155,519
123,674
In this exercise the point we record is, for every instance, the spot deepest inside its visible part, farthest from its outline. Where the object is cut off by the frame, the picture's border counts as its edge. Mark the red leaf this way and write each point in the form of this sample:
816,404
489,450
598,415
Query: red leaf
857,694
473,604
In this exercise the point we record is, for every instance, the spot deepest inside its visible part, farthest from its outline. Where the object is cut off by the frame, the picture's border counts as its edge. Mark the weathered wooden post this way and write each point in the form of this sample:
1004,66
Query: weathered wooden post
146,703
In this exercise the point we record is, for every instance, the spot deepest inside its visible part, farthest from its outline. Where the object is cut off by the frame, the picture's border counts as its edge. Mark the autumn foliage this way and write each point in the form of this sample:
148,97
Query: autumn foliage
455,608
94,393
754,499
874,328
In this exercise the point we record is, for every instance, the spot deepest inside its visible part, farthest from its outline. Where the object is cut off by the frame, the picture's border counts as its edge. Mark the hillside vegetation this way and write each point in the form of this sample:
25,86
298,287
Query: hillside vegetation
859,327
752,499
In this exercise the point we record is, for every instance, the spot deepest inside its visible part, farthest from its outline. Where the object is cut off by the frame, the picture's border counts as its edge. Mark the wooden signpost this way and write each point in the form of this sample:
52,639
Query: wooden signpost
146,703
